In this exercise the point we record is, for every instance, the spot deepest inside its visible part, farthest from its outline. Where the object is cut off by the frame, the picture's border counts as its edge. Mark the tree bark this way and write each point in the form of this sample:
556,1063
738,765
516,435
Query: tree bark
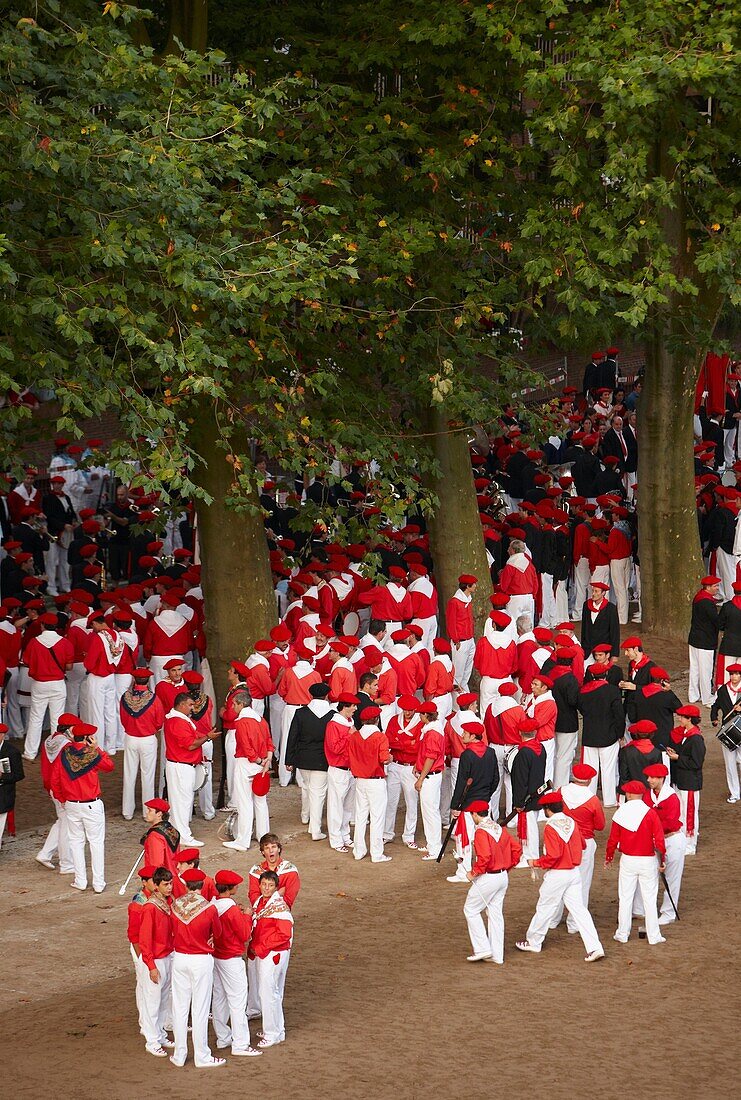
189,25
456,537
236,578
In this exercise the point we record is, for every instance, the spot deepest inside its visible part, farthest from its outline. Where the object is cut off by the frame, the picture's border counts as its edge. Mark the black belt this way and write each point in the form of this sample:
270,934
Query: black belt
434,773
339,768
186,762
83,801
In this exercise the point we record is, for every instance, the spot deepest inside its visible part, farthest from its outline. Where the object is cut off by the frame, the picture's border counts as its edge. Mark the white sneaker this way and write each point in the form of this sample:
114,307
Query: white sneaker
157,1051
456,878
76,886
595,956
224,1046
250,1052
192,843
382,859
319,836
233,844
667,920
177,1062
428,858
524,945
730,801
661,939
99,889
620,939
212,1064
478,958
45,863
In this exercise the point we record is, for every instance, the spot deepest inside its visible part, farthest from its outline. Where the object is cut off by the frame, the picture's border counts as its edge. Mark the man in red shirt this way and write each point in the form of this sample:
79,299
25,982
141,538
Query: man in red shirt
586,810
665,800
340,783
402,734
133,928
48,656
270,950
562,853
142,718
168,635
254,755
495,853
105,653
368,752
166,690
236,678
459,627
155,963
289,882
196,925
429,772
229,1007
74,781
183,753
637,833
161,840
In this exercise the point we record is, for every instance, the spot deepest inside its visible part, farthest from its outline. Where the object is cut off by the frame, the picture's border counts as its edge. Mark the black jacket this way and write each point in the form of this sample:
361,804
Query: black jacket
58,511
641,678
703,625
632,761
483,770
305,748
657,707
602,713
605,630
8,779
584,472
614,674
729,621
565,692
687,770
722,705
528,774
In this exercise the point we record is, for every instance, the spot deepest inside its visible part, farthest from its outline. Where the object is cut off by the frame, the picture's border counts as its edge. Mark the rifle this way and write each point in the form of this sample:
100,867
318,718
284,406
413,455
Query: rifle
668,893
535,794
453,821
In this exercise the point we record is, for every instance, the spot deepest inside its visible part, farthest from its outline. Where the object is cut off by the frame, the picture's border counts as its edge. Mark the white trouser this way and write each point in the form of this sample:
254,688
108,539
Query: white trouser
462,654
271,980
277,707
549,748
102,707
314,785
370,802
581,583
642,873
732,761
701,686
74,678
13,712
157,665
284,775
58,840
520,605
56,568
429,804
44,693
464,852
429,626
3,819
250,808
691,829
676,849
122,683
586,872
489,691
562,888
206,792
562,602
400,777
230,749
181,784
154,1000
86,821
487,893
730,444
548,601
530,841
444,704
620,570
140,753
192,980
604,761
450,775
726,566
340,802
565,751
497,792
229,1006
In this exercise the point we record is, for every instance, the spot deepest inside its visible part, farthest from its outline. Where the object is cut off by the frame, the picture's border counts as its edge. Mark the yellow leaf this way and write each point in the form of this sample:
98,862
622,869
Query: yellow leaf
472,139
387,119
162,219
443,235
715,227
352,247
194,307
305,422
383,223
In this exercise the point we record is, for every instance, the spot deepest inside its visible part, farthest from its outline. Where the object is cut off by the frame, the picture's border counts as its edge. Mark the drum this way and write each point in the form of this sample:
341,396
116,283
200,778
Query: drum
228,829
510,753
351,625
729,733
200,775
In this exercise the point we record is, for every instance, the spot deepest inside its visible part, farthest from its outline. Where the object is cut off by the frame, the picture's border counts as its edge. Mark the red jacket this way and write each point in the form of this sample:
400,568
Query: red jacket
669,810
368,754
253,738
272,927
259,681
97,661
156,934
197,937
10,644
234,934
431,747
336,736
410,673
563,844
588,814
159,643
167,693
498,663
492,853
180,733
157,852
288,881
403,740
439,680
48,664
74,776
384,606
134,912
145,721
645,840
459,618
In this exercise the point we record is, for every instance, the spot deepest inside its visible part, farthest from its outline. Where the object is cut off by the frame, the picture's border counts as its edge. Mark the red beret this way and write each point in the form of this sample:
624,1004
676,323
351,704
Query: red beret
633,643
500,619
227,878
345,698
192,678
467,578
656,771
634,786
368,714
542,634
173,663
187,855
583,771
706,582
159,804
543,679
659,673
508,688
549,798
644,727
147,871
603,647
441,645
408,703
688,711
193,876
478,807
466,698
397,572
427,708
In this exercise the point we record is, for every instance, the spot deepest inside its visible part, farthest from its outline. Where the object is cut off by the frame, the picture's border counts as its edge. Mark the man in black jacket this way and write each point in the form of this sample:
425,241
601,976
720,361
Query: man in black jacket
639,674
305,752
477,763
599,621
565,693
726,702
729,625
586,468
528,776
657,703
686,752
603,725
60,521
638,754
702,641
11,772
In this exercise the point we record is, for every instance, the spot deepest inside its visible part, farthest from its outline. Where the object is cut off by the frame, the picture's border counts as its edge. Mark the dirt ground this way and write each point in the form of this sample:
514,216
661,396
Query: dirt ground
379,998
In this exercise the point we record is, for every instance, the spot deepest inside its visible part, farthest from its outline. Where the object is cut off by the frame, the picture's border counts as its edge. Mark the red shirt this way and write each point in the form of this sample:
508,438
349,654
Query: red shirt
259,681
646,840
167,693
271,933
562,850
439,680
158,643
253,737
459,618
588,815
234,934
158,853
494,853
47,664
197,937
10,644
96,659
180,733
342,680
295,688
288,881
85,786
368,754
544,711
229,715
403,740
145,722
135,910
336,737
156,934
669,811
431,747
410,672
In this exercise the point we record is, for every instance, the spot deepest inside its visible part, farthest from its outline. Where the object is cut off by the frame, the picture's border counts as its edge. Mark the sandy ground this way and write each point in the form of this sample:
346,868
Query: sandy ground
380,1000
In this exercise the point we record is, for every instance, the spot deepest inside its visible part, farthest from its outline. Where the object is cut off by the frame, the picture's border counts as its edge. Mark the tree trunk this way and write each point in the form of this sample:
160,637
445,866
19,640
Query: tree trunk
189,25
236,578
456,537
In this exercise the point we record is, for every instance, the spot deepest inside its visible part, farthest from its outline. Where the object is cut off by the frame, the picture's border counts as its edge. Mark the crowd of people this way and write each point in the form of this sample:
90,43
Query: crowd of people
366,692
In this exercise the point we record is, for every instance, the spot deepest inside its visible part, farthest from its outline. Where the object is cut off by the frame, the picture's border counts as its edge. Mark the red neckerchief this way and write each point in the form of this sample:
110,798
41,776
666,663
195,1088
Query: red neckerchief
477,747
535,746
643,744
596,610
651,689
703,594
635,665
736,601
591,685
